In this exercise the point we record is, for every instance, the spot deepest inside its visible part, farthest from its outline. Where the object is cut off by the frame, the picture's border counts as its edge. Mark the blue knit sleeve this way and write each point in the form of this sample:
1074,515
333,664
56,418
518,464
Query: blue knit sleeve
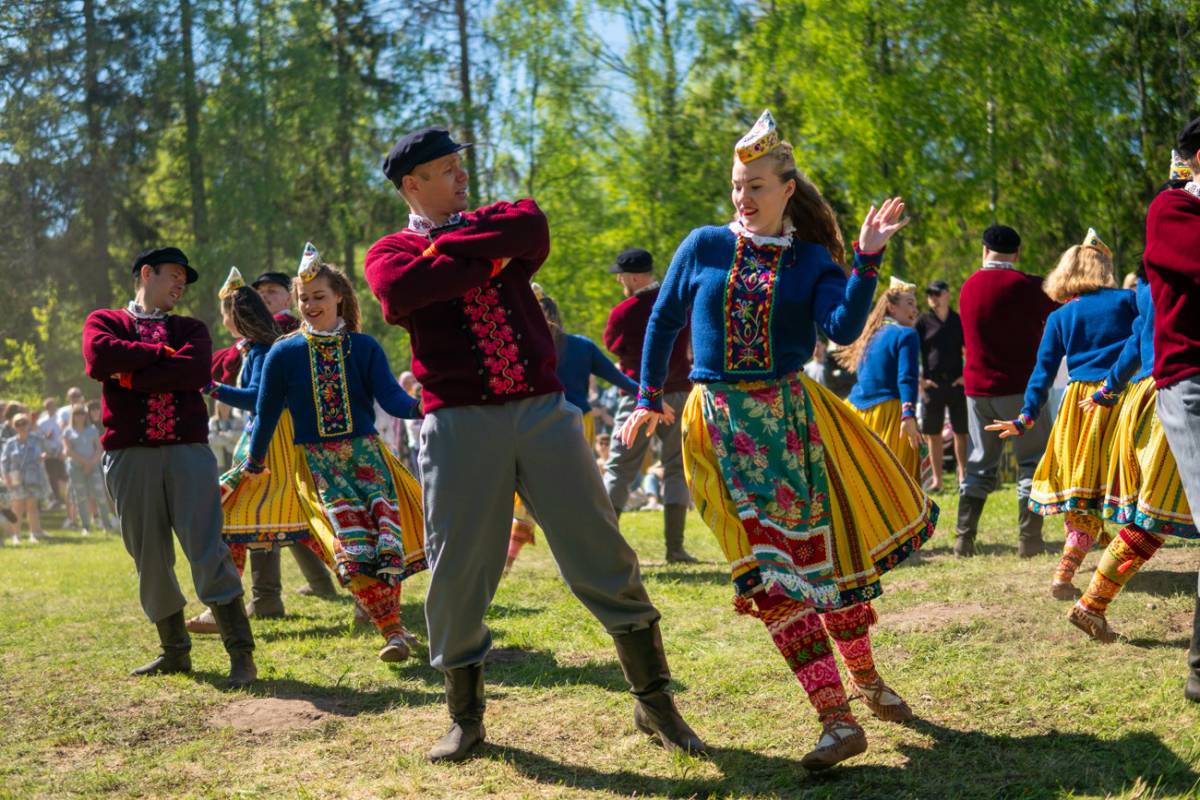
607,370
908,365
245,396
1049,356
841,305
272,397
1128,361
668,318
391,398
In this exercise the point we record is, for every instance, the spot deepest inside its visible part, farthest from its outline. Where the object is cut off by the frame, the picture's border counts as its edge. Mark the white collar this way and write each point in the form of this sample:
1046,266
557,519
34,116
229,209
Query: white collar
999,265
424,225
785,240
1192,188
649,287
137,312
337,330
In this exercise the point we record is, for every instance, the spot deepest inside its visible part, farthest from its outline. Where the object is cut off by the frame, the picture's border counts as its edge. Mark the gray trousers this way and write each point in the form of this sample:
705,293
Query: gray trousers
473,458
986,447
1179,413
160,488
624,462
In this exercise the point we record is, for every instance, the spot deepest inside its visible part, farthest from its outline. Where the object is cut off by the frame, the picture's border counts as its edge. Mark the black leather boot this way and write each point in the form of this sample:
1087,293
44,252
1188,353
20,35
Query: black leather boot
239,643
645,665
316,574
176,648
464,699
266,586
970,509
1029,536
1192,690
674,521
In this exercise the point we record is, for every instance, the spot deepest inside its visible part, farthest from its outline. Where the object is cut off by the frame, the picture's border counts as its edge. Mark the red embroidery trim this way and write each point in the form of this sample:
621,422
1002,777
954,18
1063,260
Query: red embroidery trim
160,406
495,340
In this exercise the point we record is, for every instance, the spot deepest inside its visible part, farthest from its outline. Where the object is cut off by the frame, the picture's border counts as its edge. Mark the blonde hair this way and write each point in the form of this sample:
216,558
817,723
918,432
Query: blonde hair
339,284
1080,270
851,356
809,211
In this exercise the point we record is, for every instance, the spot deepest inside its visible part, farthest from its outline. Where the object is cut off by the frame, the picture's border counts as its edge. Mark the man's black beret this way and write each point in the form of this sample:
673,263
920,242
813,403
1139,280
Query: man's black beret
635,259
1002,239
1189,139
273,277
417,148
164,255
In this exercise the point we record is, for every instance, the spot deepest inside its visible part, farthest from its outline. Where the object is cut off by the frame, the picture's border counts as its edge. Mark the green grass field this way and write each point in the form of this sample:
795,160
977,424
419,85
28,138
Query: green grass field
1012,701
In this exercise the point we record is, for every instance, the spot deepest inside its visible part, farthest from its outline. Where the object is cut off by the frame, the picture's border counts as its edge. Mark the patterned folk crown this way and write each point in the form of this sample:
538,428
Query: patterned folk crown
897,285
760,140
232,283
1093,240
1180,171
310,263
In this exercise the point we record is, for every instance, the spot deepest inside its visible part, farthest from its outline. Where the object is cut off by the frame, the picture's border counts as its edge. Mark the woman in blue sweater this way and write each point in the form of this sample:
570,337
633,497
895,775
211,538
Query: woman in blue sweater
806,502
1089,329
578,360
887,359
363,507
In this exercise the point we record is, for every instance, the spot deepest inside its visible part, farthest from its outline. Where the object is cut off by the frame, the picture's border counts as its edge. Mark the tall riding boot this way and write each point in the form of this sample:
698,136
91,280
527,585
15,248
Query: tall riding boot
266,586
320,583
464,699
176,648
645,665
970,509
674,521
1192,690
1029,537
238,641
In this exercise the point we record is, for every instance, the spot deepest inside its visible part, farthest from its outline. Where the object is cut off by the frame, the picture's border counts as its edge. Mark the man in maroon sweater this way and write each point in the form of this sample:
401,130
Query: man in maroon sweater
623,336
1003,313
157,465
1173,268
496,423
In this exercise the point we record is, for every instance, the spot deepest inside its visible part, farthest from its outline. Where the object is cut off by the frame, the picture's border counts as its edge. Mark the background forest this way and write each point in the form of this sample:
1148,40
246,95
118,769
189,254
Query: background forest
237,129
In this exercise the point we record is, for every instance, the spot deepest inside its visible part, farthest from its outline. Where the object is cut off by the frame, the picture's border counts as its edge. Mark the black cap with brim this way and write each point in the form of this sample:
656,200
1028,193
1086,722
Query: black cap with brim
164,255
273,277
937,287
634,260
417,148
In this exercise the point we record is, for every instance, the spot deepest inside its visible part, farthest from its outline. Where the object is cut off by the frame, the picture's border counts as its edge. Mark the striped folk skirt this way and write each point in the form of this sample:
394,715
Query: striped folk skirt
884,418
1143,485
805,500
266,512
1071,475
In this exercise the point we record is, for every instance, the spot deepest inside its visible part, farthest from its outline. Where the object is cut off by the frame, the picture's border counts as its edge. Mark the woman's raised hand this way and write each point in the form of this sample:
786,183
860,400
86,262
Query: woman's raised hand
881,225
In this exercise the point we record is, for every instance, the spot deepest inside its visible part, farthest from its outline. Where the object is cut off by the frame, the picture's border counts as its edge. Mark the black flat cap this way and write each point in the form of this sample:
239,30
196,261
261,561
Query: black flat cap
1002,239
273,277
164,255
1189,138
937,287
635,260
417,148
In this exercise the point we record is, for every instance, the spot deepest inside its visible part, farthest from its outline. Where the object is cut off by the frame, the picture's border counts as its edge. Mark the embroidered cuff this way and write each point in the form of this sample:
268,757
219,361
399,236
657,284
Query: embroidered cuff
650,397
1105,396
908,410
1023,422
212,390
866,265
254,467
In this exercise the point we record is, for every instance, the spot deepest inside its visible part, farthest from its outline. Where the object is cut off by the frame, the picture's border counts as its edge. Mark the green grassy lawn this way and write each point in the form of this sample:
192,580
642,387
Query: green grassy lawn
1012,701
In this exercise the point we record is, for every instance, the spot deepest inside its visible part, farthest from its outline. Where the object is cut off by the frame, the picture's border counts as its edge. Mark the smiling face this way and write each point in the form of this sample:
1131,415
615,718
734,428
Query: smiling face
904,309
162,288
276,297
319,304
437,189
759,196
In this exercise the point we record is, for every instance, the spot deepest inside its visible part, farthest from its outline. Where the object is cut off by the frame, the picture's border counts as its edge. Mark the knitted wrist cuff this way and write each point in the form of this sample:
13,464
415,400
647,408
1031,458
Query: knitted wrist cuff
908,410
1023,422
650,397
1105,396
254,467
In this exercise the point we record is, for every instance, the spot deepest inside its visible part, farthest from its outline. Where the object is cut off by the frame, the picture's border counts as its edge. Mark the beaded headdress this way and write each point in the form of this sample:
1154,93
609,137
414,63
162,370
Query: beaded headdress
310,263
232,283
1093,240
1180,171
760,140
897,285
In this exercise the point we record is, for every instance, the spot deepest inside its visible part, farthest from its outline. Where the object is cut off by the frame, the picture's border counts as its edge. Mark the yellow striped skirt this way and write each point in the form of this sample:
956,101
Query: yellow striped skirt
884,419
1143,480
1071,475
261,513
878,513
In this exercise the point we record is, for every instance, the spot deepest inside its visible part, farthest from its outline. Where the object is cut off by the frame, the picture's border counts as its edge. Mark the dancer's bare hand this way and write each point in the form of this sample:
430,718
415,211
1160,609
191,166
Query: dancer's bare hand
908,427
640,416
1005,427
881,225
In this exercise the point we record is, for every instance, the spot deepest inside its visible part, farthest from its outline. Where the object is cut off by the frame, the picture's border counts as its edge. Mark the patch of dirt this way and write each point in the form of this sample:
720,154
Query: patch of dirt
268,715
1180,622
933,616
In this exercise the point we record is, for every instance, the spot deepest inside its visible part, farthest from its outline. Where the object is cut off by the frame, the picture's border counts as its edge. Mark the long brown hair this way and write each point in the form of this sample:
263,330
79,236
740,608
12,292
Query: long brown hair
809,211
339,284
250,316
554,322
851,356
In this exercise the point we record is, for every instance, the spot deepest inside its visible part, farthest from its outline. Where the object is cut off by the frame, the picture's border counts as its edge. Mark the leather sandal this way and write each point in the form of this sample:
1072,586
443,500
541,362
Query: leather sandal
1094,625
883,702
204,622
396,650
839,741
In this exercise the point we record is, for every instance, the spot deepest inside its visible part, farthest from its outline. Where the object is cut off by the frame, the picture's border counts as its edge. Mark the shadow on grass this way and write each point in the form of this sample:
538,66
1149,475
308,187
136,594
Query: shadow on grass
958,764
688,576
517,666
1161,583
333,699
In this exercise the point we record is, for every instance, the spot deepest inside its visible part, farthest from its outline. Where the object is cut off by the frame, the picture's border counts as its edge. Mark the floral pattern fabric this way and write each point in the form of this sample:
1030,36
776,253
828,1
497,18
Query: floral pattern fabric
495,341
769,448
160,406
327,362
749,307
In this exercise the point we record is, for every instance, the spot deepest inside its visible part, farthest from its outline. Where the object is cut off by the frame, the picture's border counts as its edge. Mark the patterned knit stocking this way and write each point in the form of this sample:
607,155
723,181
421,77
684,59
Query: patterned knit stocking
797,632
1082,530
380,601
1126,554
850,630
238,552
522,534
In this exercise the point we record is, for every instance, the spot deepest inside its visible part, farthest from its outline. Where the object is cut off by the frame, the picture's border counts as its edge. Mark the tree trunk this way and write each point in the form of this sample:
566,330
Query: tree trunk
95,289
191,115
464,87
343,132
267,134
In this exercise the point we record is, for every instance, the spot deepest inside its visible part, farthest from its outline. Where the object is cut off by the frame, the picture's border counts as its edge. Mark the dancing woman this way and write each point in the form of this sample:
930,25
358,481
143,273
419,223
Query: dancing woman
1090,330
807,503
